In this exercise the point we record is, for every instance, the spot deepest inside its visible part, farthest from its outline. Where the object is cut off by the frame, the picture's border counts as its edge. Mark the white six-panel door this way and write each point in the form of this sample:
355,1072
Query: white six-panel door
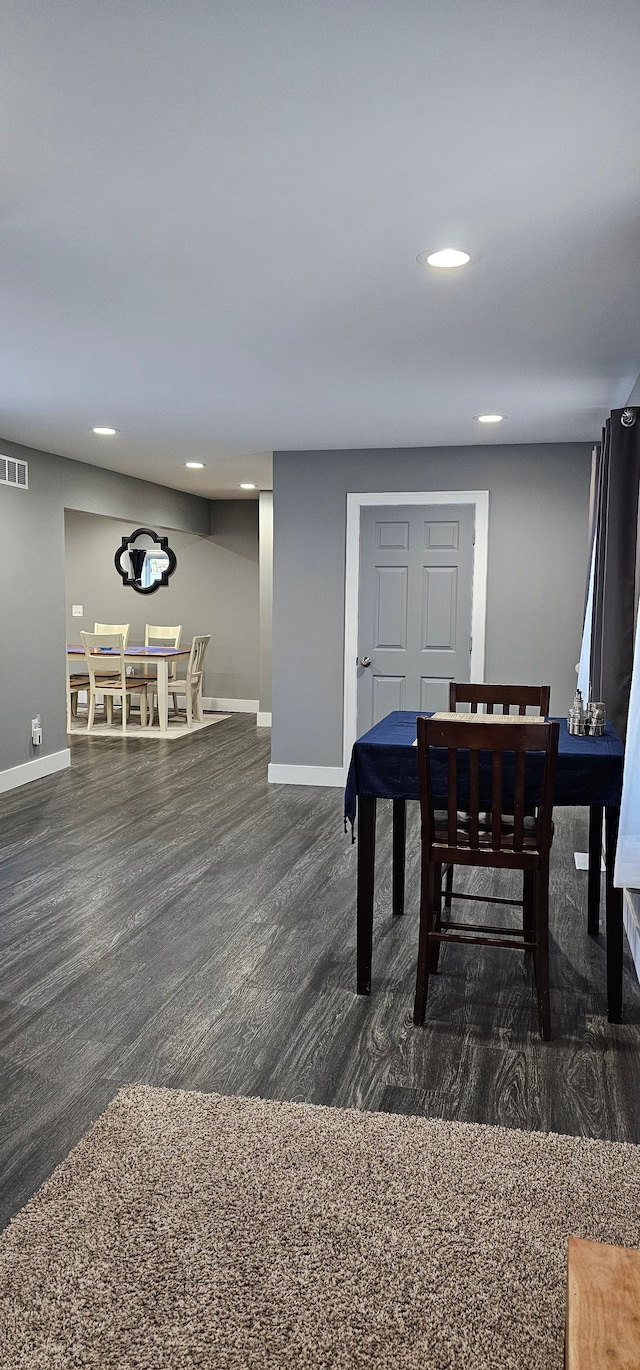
415,606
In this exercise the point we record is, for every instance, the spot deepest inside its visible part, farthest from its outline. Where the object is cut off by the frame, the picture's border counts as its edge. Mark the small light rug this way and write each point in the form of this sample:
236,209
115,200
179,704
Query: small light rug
190,1230
177,728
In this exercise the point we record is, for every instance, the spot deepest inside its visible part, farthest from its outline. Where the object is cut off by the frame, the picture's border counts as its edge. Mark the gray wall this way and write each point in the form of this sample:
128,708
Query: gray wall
214,590
32,612
538,514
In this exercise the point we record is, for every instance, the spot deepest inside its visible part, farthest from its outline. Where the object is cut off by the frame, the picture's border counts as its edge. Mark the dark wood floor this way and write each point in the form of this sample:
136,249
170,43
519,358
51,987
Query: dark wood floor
168,917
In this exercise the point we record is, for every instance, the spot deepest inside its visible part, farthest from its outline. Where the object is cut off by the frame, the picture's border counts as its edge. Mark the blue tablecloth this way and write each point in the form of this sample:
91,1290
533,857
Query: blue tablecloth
384,763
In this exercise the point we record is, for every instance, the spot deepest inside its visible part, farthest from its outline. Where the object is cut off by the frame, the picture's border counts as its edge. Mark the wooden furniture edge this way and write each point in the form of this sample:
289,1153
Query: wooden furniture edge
602,1328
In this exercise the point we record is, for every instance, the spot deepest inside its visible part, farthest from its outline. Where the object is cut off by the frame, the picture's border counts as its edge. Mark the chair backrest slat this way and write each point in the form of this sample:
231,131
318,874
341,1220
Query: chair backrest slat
452,795
496,798
505,697
474,799
518,801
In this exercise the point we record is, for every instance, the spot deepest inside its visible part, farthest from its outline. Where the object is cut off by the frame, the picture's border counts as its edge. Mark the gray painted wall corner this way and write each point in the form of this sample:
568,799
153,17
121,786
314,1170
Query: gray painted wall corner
538,501
32,615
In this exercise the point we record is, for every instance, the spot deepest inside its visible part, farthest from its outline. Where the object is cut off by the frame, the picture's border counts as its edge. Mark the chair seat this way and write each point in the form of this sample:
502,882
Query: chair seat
131,683
484,820
485,841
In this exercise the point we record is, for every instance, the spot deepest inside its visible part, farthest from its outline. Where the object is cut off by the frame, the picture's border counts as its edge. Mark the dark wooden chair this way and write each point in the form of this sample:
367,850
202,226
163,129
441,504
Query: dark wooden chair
447,842
500,699
505,697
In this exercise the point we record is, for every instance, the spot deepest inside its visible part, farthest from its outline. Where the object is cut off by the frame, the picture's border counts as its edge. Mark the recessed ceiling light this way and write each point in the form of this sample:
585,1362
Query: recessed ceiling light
445,258
195,465
246,485
489,418
105,432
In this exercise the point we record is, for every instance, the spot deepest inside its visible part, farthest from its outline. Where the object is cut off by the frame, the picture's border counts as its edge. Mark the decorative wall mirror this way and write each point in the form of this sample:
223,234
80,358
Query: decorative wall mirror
145,561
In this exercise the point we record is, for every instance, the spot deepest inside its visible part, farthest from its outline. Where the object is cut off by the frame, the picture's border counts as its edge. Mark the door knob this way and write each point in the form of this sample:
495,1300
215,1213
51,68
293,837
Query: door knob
365,661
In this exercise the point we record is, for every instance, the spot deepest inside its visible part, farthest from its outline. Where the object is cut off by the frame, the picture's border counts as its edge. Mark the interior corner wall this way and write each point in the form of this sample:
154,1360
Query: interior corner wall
32,613
213,590
538,536
266,600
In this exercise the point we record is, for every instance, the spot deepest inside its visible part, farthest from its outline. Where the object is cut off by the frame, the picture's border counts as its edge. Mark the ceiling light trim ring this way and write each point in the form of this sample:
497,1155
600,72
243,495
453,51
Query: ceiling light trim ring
446,258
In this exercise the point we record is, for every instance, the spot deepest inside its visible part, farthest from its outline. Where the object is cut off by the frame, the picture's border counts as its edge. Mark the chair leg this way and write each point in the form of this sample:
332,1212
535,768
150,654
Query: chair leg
448,885
528,902
541,953
188,702
176,706
92,708
143,708
424,948
108,709
434,955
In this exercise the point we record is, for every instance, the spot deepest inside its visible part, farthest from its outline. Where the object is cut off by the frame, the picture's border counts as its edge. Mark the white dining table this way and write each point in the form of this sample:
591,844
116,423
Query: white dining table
162,656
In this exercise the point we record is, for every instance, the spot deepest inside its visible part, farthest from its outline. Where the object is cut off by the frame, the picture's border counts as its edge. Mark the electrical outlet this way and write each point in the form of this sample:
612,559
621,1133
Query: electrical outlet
36,731
76,611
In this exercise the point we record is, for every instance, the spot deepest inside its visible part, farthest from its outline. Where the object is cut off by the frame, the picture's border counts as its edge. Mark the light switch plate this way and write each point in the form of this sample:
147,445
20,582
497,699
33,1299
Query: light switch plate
76,611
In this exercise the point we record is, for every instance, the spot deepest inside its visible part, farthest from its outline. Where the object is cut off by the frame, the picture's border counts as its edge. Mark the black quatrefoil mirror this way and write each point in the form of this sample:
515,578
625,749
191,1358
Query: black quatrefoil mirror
145,561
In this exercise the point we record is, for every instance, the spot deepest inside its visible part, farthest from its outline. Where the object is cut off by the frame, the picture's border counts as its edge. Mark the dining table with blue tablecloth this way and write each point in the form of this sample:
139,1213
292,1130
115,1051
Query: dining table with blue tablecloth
384,765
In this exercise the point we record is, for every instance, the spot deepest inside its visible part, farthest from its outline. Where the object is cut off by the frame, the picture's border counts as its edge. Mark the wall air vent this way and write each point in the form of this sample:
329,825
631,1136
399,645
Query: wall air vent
14,472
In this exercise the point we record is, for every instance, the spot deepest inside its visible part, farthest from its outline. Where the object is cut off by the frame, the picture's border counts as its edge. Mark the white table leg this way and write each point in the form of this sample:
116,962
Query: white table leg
163,694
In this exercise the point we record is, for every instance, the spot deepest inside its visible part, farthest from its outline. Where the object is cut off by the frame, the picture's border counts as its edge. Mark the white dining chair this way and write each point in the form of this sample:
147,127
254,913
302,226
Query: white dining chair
114,628
76,681
191,686
116,682
155,635
123,628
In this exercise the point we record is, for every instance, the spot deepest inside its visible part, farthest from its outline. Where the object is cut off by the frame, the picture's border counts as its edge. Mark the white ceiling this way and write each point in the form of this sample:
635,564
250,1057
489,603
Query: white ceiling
210,212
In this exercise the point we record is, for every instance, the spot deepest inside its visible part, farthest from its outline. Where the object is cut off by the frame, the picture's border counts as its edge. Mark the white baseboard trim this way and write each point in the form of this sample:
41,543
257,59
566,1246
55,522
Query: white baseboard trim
229,706
264,719
631,919
34,770
306,775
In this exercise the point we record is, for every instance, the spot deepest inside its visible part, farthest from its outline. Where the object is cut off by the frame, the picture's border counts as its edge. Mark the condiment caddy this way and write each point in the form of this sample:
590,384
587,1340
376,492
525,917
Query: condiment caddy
589,722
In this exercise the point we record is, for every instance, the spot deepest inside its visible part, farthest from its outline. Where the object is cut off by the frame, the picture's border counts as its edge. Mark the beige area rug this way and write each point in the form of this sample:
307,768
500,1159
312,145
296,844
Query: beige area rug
177,728
190,1230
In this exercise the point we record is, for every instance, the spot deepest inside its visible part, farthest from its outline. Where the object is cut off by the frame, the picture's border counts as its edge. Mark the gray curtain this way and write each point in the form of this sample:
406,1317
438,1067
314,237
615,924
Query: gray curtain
615,484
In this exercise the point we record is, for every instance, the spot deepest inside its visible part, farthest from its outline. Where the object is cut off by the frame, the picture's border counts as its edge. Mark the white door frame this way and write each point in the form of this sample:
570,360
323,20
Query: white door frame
479,498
